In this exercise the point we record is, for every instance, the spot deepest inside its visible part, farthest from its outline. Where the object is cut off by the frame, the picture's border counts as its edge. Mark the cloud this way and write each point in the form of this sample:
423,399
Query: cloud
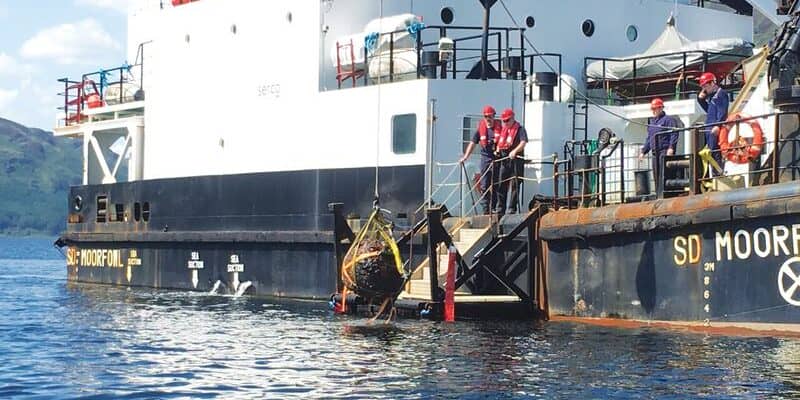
6,97
79,43
11,67
118,5
7,64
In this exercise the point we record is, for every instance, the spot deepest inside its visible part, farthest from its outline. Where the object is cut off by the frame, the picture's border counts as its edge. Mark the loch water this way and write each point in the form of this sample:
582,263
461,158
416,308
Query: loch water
62,340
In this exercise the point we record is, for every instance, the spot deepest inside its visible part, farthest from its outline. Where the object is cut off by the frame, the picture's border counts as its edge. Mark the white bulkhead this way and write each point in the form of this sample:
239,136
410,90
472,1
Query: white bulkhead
238,86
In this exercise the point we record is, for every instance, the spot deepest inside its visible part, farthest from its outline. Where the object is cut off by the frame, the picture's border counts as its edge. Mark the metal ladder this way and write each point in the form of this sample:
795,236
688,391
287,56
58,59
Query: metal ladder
576,115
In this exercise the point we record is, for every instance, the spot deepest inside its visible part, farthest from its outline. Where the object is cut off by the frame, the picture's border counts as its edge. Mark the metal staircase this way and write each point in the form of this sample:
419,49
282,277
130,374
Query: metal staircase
467,240
498,264
496,273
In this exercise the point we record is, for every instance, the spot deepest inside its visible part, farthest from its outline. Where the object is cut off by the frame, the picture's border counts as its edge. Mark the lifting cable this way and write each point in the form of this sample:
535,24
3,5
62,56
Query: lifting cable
376,200
372,267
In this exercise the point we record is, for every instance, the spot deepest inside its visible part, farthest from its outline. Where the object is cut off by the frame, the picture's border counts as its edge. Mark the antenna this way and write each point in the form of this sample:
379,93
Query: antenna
483,69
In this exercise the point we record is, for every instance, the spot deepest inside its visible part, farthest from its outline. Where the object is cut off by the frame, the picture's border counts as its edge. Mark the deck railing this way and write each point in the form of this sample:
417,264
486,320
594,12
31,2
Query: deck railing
676,85
585,176
506,54
693,171
78,95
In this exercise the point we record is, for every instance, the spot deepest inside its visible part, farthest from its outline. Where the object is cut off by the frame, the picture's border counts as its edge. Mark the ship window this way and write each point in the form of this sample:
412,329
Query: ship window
119,212
146,211
588,27
137,211
530,22
102,208
404,133
468,126
447,15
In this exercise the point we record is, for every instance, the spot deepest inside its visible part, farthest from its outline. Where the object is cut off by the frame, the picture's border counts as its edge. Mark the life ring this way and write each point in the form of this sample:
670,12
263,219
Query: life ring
741,150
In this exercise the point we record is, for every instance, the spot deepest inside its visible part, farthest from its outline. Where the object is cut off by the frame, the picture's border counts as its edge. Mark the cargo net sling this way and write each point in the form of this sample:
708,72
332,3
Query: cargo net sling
372,267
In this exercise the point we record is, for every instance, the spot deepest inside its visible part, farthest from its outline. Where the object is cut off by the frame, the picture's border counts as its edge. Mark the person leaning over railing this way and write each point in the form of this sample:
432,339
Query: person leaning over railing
660,143
714,101
486,137
511,144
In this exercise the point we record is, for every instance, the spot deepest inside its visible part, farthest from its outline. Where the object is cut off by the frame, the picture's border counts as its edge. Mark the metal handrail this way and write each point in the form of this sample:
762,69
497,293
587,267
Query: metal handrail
682,77
501,49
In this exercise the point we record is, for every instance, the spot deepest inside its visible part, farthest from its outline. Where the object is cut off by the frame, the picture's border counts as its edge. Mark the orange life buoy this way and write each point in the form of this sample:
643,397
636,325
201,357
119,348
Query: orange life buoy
741,150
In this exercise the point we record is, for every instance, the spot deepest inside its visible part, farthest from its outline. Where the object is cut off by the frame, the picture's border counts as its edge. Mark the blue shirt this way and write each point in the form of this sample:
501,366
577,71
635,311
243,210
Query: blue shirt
716,107
657,141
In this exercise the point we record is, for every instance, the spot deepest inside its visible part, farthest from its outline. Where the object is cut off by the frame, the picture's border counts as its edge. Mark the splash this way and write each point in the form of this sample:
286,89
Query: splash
242,288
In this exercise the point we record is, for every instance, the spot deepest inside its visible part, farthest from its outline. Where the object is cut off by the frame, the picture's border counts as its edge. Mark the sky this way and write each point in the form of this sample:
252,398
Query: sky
44,40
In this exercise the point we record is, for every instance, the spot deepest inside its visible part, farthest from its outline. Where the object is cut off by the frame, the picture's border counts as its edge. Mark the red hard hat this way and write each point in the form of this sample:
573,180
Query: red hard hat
488,110
706,78
507,113
657,102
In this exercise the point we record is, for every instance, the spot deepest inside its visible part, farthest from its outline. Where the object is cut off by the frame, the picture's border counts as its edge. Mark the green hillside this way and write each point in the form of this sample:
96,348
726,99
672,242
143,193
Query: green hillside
36,170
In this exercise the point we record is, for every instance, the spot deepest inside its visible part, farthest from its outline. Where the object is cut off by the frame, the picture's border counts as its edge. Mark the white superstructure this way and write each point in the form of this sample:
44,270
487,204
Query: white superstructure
240,86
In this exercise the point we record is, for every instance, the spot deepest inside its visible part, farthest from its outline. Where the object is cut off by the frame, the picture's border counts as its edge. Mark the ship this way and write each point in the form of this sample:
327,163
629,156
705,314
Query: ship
249,141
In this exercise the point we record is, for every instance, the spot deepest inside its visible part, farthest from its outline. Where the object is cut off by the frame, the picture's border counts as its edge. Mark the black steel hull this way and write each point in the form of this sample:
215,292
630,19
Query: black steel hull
731,258
271,229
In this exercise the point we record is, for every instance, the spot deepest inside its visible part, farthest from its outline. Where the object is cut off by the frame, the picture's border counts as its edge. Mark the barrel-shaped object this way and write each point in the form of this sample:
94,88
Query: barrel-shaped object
546,81
429,63
641,182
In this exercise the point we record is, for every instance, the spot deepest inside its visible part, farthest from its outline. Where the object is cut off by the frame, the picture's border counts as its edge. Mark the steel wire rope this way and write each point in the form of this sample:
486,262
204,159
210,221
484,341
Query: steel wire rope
378,134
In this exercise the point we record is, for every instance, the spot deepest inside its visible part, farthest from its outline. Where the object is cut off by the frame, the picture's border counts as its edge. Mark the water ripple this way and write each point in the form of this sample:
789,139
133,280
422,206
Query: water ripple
60,340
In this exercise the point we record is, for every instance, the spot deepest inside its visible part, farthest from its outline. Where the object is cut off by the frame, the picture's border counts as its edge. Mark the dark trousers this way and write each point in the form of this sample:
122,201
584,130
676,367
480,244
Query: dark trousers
712,141
658,158
489,183
510,172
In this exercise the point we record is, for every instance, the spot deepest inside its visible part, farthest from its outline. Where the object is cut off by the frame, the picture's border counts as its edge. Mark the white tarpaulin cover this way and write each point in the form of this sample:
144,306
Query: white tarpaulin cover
671,41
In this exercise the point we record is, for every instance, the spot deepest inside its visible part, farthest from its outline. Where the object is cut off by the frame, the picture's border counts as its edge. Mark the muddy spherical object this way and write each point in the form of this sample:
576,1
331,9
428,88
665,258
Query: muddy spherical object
376,277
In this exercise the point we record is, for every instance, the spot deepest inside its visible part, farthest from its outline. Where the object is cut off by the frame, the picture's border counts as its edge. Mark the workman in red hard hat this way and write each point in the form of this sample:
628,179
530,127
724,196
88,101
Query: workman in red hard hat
714,101
486,136
511,149
660,140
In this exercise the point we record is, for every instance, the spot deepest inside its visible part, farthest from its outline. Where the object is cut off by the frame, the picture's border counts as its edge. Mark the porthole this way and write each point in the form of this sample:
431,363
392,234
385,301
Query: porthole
632,33
447,15
530,22
77,203
588,28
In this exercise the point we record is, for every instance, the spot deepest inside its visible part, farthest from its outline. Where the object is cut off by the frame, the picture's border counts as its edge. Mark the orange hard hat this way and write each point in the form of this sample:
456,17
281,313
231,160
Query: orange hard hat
507,113
488,110
706,78
657,102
